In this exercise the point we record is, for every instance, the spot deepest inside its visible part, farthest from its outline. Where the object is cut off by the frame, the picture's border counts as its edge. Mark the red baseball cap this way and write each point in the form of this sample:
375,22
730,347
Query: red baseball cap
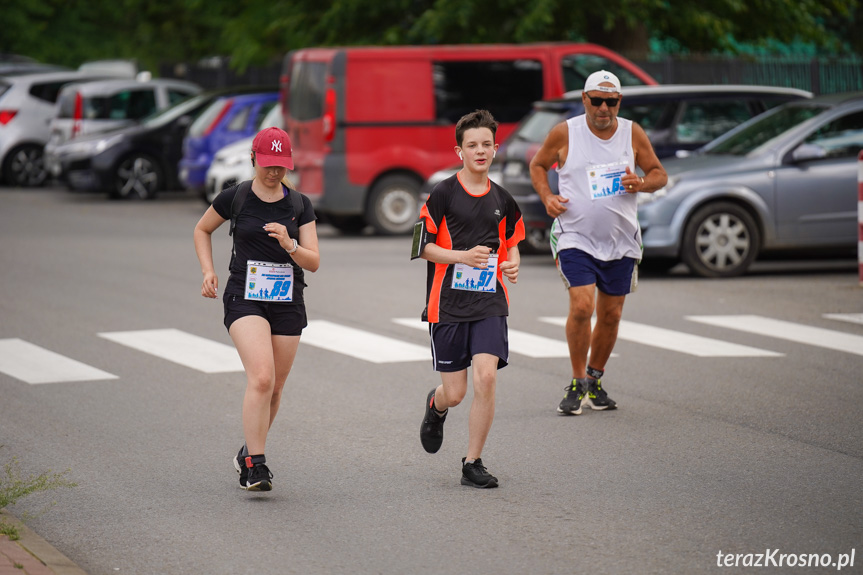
272,147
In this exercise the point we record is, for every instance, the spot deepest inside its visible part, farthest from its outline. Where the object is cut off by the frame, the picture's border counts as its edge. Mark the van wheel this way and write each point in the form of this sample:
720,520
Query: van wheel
137,177
394,205
721,240
25,167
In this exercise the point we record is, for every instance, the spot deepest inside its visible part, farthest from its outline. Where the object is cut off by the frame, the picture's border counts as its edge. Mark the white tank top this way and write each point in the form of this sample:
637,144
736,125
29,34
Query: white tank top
606,227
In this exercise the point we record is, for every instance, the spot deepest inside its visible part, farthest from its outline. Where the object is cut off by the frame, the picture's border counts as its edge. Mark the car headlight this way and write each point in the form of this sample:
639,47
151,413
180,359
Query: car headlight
231,161
646,198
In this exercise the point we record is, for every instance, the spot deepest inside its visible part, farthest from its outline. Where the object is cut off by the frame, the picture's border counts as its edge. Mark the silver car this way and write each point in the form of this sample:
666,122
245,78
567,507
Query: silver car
26,106
100,106
783,181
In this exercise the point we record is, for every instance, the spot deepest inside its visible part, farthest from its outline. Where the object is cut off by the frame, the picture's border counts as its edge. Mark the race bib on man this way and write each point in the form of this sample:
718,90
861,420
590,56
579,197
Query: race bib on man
476,279
266,281
604,180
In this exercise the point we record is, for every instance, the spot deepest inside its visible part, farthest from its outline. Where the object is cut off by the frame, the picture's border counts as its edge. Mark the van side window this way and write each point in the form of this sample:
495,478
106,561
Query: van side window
506,88
307,90
141,104
240,119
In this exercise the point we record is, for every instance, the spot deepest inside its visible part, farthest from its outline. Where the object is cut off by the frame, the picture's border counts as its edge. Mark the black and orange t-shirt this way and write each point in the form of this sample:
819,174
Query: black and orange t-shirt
457,220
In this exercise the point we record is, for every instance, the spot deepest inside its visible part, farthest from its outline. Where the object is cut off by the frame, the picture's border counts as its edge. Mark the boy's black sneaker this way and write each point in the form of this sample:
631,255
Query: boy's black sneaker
241,468
431,430
571,403
476,475
260,478
597,398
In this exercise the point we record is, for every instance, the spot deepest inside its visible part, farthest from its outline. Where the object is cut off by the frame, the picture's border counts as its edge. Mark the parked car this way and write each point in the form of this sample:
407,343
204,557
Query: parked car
784,181
104,105
26,106
370,124
232,164
223,122
677,119
137,161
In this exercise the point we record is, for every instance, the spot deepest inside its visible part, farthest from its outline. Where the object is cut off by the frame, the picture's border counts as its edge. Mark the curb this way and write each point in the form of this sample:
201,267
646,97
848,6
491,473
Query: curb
40,549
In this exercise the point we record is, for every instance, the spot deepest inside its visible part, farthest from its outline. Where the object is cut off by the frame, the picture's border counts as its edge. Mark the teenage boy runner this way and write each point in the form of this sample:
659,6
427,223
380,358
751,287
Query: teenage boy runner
468,231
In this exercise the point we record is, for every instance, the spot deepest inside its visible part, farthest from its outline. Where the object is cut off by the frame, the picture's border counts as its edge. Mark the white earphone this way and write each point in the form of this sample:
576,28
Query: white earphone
460,156
494,153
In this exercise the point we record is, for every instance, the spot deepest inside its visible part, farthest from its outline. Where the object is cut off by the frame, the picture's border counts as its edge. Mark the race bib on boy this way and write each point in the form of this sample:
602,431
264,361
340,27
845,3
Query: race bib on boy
266,281
604,180
476,279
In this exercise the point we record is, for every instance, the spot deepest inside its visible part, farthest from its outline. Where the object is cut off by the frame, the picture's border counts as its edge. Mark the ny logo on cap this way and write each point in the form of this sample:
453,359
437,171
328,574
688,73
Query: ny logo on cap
277,146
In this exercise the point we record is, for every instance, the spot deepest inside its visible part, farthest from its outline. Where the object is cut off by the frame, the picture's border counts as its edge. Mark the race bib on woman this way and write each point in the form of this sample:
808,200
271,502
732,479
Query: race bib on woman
266,281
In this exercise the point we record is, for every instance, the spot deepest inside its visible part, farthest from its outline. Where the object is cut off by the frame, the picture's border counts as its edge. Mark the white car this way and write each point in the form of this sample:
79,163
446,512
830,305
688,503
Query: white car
232,164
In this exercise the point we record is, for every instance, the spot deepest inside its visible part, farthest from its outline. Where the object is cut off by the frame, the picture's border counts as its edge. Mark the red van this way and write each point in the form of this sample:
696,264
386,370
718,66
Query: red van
369,125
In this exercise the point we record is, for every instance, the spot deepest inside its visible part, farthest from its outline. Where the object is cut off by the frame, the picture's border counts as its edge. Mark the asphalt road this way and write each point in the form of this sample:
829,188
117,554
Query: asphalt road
730,453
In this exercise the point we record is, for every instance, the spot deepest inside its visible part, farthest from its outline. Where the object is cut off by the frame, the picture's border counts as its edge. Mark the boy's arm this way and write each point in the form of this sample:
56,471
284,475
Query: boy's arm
476,257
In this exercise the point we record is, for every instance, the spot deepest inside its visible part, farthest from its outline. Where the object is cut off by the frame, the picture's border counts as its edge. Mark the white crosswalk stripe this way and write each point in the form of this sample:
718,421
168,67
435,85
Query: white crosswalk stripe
849,317
519,341
30,363
361,344
33,364
678,341
786,330
180,347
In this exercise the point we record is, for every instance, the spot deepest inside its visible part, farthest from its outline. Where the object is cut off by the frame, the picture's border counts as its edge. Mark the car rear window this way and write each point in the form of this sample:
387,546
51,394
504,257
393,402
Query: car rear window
47,91
517,85
306,95
129,104
207,117
4,87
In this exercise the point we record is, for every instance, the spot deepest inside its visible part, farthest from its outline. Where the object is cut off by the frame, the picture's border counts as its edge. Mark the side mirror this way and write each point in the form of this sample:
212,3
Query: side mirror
805,152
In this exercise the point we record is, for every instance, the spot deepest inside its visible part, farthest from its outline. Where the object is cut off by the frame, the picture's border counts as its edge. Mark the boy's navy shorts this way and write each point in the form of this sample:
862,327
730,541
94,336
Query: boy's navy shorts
453,345
284,318
579,268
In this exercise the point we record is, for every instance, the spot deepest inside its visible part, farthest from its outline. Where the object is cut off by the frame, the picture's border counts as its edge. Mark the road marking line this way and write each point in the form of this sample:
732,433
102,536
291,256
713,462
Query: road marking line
678,341
786,330
849,317
180,347
33,364
519,341
361,344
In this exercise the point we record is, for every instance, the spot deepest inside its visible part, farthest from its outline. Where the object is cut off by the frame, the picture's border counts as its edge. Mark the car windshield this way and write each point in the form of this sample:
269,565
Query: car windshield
168,115
536,126
762,130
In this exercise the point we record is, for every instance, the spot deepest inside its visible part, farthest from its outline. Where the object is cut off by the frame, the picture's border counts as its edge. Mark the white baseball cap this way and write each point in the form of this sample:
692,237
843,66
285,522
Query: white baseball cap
602,77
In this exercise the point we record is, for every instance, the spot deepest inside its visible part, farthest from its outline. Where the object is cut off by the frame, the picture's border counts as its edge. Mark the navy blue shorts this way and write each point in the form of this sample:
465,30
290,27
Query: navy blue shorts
579,268
284,318
453,345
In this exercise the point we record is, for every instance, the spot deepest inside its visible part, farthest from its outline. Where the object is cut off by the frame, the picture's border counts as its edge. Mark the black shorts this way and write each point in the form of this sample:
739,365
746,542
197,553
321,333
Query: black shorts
284,318
454,344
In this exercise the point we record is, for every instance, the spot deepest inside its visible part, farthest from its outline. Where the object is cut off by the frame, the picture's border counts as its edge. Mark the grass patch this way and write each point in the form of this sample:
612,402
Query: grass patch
14,486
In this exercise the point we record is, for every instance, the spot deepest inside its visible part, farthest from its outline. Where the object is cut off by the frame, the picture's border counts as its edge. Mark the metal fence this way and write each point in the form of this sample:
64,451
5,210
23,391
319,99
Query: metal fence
818,75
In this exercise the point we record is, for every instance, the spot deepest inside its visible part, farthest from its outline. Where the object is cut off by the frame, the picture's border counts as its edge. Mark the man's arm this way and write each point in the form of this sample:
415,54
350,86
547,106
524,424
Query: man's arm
549,154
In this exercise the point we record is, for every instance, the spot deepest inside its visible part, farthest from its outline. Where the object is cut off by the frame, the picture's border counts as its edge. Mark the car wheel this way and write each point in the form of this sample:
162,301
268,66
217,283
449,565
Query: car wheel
137,177
25,167
394,205
721,240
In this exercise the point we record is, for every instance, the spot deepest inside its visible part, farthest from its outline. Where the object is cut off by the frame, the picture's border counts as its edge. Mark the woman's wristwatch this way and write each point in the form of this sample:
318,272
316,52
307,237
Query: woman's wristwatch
296,246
